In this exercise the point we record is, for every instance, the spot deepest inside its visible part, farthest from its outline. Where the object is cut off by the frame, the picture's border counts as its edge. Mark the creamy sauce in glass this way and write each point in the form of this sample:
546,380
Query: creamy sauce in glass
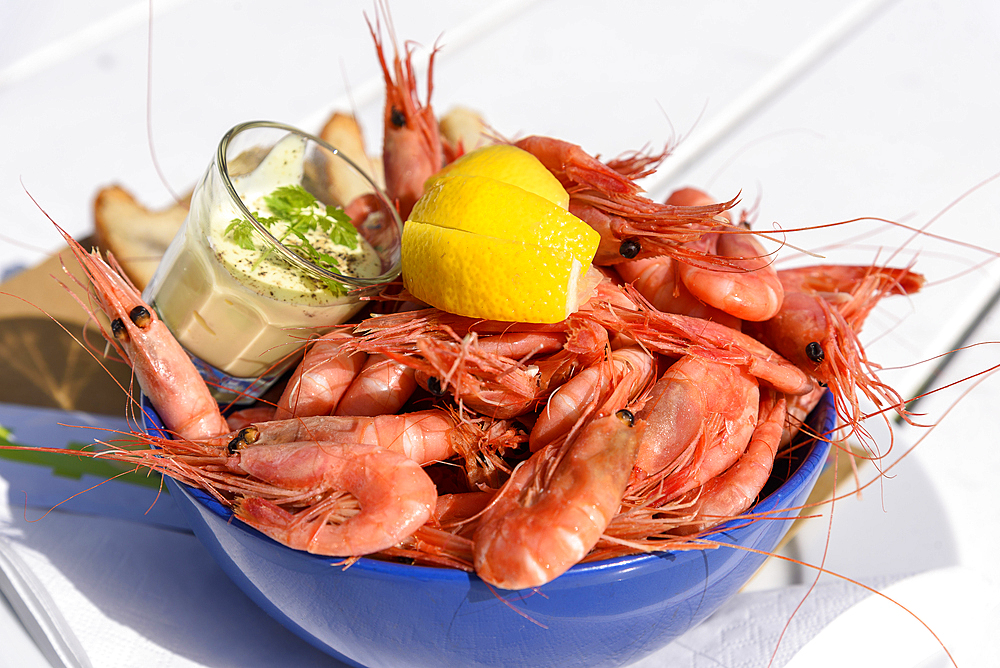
242,315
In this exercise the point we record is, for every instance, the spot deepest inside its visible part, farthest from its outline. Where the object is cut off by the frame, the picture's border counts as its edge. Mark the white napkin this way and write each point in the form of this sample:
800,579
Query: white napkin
118,593
110,592
841,624
959,606
751,628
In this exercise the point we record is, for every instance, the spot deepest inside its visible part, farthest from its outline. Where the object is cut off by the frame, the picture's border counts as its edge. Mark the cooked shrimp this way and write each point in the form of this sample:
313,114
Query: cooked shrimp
698,420
608,199
747,287
245,417
395,495
574,167
631,366
433,546
460,509
647,524
161,366
411,151
732,492
446,539
492,385
586,342
502,387
656,279
817,329
522,345
323,376
467,357
797,409
369,214
677,335
399,332
554,508
381,388
861,282
423,436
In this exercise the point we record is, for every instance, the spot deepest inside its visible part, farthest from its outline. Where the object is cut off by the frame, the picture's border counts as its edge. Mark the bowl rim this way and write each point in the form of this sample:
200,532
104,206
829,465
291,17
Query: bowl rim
821,418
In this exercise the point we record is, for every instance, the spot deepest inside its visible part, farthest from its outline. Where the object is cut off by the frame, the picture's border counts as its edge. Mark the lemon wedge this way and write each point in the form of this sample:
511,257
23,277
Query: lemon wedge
509,164
480,247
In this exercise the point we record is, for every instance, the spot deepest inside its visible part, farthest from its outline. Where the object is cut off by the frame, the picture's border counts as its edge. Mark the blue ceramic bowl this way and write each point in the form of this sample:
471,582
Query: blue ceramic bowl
607,613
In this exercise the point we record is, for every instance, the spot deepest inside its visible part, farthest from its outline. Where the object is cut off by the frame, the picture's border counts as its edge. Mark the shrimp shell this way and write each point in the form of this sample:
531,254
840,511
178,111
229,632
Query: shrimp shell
555,507
395,495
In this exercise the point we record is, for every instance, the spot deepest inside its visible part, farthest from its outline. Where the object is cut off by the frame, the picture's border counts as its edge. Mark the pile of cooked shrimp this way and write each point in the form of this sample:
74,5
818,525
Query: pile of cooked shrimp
516,450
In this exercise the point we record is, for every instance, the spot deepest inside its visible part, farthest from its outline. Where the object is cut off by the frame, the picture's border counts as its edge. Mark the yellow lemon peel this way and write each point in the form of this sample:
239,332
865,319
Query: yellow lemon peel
478,246
509,164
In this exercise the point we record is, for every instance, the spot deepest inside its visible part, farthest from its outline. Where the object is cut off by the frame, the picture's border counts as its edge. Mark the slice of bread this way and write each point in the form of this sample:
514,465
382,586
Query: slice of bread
135,235
465,130
344,185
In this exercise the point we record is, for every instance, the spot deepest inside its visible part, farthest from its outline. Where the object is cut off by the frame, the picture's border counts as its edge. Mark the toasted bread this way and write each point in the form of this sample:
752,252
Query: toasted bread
465,130
135,235
344,184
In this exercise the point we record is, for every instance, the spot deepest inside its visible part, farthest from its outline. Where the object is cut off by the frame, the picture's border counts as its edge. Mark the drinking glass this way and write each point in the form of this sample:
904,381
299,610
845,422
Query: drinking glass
243,313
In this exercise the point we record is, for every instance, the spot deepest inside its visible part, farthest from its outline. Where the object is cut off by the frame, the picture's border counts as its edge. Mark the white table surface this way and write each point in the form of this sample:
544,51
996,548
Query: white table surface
815,112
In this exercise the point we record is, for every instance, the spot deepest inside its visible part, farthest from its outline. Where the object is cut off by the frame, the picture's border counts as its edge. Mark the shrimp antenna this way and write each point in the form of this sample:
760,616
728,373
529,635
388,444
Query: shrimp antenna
149,110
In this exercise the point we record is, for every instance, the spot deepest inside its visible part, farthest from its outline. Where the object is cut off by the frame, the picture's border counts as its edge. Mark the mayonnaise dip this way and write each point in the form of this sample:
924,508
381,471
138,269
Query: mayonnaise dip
239,313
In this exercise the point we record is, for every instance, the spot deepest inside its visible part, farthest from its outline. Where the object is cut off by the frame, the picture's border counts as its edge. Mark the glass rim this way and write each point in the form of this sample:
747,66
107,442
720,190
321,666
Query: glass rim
292,258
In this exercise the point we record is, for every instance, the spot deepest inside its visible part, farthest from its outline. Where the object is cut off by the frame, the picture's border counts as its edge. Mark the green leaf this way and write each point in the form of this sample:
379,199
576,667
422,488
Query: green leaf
294,206
242,232
288,200
339,228
67,465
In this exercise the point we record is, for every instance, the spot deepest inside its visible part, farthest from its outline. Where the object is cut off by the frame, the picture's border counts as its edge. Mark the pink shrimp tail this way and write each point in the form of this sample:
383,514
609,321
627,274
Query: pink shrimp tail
746,286
854,289
396,495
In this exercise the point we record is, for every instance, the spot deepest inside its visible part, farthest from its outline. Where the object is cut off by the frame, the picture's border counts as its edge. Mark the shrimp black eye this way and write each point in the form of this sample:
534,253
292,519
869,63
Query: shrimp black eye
814,352
246,436
140,316
629,249
250,434
118,329
434,386
626,416
397,118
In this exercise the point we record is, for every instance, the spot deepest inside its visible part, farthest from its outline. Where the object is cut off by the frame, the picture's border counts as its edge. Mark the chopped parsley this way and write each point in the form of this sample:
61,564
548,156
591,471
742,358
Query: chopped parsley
300,214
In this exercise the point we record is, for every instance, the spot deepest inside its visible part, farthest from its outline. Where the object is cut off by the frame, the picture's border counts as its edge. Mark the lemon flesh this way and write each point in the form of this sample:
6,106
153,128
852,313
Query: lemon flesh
486,277
483,248
509,164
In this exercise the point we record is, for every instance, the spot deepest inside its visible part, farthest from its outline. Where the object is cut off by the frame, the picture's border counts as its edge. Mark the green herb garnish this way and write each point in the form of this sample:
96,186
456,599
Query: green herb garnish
296,208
